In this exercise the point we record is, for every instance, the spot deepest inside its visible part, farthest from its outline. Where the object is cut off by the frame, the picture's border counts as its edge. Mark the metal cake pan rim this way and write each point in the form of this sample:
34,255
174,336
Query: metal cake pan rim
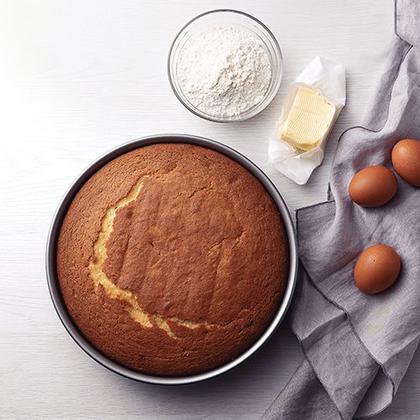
52,278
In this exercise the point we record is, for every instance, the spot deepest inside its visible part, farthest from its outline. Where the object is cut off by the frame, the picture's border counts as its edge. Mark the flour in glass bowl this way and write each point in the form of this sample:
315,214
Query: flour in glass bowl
224,71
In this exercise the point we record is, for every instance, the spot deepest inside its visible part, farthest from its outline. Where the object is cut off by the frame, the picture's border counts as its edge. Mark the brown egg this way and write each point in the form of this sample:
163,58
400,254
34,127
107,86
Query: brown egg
406,160
377,269
373,186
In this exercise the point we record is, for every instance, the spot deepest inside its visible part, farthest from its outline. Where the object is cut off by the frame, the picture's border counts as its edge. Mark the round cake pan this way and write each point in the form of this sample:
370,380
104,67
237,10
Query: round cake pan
52,277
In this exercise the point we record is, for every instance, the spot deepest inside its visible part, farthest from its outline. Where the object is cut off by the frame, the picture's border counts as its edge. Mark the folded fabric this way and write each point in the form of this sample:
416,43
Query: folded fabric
358,347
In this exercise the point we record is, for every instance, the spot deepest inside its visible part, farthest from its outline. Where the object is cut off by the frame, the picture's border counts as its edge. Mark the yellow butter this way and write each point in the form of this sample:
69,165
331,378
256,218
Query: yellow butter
309,119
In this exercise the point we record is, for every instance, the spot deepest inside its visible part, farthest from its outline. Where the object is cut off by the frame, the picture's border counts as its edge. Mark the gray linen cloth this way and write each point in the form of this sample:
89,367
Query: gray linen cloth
358,347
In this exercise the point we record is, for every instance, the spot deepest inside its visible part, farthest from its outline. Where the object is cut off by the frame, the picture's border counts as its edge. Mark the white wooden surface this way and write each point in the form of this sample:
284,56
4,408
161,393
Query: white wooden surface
79,77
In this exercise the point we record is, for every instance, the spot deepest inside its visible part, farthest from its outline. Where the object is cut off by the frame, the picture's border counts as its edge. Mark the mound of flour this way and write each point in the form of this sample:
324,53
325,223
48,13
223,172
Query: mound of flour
224,70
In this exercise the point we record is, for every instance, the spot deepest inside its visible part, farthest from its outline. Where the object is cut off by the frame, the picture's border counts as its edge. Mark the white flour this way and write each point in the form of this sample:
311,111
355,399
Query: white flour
224,71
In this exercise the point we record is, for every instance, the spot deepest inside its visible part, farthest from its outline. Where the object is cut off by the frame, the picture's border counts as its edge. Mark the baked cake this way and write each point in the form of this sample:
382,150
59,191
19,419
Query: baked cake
172,259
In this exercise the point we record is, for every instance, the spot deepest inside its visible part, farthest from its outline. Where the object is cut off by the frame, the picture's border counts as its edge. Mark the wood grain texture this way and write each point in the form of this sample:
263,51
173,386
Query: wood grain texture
78,78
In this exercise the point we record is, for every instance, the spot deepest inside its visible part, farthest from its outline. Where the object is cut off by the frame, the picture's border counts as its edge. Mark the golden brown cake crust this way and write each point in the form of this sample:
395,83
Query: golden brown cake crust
172,259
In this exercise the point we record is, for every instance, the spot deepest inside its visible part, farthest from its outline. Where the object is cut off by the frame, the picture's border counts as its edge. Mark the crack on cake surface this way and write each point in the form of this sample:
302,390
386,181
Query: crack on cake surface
100,278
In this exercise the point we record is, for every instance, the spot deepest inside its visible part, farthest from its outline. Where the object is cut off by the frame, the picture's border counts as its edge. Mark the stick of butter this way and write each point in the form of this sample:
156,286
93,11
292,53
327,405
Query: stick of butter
313,103
309,119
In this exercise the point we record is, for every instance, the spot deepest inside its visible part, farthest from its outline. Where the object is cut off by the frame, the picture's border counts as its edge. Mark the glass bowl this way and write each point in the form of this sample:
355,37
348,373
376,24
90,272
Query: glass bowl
222,17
